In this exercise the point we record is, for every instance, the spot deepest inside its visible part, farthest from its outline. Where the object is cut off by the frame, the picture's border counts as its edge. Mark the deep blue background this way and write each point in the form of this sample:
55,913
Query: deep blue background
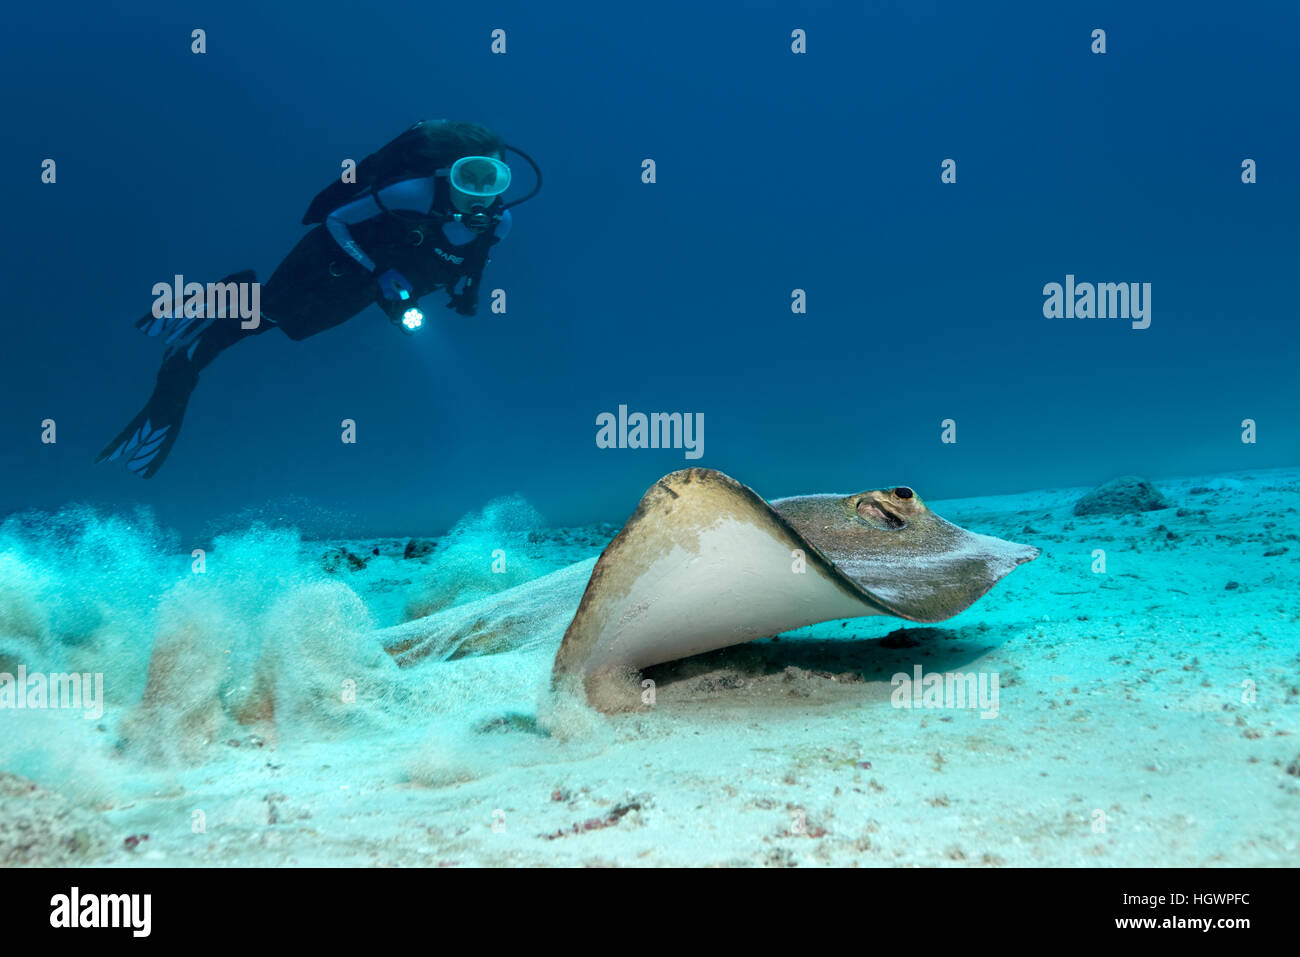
775,171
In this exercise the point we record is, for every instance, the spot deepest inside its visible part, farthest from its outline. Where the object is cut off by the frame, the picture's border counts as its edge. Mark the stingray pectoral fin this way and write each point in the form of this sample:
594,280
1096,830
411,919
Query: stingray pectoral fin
940,575
890,545
702,564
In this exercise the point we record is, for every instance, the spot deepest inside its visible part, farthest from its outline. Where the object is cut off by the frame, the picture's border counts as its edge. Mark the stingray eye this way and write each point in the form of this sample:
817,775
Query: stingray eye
903,492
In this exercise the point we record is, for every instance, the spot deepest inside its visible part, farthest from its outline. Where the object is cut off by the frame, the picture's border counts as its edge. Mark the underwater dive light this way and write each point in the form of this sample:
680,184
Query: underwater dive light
404,311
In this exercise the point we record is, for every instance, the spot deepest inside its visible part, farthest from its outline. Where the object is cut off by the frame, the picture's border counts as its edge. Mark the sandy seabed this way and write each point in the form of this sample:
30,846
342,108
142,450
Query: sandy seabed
1146,715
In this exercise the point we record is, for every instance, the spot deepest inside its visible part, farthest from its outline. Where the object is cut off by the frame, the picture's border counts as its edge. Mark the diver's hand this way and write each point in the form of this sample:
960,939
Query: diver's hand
393,285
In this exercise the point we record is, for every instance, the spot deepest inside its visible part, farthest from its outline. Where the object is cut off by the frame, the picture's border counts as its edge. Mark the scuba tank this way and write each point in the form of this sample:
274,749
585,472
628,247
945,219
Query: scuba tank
411,155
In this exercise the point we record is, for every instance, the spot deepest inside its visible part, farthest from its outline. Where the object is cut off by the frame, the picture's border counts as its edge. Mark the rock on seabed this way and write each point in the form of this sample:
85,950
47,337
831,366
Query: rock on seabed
1122,496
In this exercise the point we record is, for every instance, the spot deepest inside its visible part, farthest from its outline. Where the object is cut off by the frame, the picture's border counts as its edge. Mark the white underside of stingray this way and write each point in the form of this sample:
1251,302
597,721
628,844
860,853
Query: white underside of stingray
739,582
705,563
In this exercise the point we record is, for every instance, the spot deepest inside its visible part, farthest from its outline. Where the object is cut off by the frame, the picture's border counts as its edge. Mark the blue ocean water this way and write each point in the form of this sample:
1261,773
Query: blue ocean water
844,273
775,172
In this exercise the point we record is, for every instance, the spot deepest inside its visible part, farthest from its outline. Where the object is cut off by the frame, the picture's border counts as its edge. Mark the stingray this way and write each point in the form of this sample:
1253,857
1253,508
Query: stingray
704,563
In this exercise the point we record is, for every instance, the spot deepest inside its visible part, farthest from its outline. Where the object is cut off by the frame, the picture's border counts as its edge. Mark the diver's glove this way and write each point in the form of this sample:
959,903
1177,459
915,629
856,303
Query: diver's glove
465,302
393,285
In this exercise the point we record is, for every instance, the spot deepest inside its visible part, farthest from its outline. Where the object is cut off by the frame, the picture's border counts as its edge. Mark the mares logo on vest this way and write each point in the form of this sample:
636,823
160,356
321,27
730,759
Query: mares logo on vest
449,257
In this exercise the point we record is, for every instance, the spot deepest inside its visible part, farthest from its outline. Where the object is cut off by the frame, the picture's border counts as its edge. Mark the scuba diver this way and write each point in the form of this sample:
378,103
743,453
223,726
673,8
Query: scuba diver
422,214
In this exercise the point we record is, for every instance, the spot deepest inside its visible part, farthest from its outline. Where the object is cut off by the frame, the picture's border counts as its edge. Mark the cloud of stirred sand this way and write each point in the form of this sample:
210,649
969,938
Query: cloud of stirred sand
255,642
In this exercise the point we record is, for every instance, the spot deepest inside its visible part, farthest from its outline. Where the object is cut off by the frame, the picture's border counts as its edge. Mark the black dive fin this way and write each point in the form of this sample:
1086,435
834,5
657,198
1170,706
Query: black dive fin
146,442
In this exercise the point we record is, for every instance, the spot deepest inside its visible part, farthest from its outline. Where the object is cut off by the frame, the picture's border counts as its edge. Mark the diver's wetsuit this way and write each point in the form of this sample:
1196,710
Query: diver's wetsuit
326,279
330,277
